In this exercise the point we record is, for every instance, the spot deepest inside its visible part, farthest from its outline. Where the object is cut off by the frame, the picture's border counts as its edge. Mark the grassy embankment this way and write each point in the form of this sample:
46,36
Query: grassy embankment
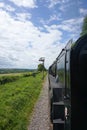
17,99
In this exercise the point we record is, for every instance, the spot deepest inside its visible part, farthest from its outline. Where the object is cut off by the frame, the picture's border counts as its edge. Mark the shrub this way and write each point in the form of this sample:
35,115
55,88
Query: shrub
7,79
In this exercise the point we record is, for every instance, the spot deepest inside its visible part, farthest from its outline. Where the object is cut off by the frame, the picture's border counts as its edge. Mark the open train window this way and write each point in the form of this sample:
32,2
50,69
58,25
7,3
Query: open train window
53,70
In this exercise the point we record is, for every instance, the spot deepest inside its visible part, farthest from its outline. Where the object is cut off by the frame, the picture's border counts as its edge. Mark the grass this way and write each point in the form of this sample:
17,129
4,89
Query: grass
17,100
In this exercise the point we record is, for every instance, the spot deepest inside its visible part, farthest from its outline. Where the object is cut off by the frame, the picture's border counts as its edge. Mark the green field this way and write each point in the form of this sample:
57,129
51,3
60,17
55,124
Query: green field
17,100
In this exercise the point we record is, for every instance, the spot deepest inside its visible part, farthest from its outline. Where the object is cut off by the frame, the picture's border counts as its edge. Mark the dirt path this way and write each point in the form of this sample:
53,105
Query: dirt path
40,119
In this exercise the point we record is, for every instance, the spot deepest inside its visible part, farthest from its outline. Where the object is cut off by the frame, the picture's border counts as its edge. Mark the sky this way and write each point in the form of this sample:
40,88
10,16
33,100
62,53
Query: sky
31,29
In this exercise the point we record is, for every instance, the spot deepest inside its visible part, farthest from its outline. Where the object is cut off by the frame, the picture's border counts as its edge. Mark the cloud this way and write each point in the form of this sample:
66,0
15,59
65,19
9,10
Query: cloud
9,8
6,7
23,16
55,2
5,62
54,17
1,4
83,11
25,3
22,43
72,26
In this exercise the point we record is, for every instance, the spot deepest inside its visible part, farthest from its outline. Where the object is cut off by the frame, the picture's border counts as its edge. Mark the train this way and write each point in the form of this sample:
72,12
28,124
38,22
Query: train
67,78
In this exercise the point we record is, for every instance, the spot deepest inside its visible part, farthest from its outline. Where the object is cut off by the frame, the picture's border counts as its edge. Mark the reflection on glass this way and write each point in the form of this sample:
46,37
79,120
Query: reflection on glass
60,69
54,69
68,73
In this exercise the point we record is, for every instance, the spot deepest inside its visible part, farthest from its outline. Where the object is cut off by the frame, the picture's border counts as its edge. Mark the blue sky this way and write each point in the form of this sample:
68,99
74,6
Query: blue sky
30,29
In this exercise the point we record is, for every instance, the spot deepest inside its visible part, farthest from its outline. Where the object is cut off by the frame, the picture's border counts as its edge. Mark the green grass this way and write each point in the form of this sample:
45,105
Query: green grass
17,100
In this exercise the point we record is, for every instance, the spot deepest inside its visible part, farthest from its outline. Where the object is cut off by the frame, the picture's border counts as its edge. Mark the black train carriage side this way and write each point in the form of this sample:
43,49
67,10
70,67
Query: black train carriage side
67,87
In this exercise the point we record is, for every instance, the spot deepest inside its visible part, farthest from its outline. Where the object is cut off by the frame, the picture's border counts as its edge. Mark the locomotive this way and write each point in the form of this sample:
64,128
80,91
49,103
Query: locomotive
67,78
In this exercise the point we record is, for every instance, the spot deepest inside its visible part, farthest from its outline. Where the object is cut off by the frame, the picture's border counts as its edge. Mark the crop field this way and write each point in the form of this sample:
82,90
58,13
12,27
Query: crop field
18,95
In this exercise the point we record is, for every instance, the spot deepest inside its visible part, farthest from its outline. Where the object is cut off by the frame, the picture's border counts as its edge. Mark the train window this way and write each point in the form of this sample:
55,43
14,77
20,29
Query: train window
53,70
61,69
50,70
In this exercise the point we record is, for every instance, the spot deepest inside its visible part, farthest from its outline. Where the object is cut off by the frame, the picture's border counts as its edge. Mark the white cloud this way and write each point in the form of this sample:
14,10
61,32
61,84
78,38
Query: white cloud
22,44
25,3
9,8
83,11
72,26
55,2
1,4
6,7
54,17
23,16
64,6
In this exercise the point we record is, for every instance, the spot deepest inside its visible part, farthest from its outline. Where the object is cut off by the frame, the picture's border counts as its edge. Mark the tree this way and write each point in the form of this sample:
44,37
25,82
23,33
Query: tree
41,67
84,26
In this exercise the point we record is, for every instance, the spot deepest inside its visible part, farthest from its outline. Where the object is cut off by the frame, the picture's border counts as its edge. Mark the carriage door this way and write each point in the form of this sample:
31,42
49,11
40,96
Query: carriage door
67,91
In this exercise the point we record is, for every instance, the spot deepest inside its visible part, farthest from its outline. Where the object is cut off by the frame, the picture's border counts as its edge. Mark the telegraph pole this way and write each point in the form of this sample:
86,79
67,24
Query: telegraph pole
42,59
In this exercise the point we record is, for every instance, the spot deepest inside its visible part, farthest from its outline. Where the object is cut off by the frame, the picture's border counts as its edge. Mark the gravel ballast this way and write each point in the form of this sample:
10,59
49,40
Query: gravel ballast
40,119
